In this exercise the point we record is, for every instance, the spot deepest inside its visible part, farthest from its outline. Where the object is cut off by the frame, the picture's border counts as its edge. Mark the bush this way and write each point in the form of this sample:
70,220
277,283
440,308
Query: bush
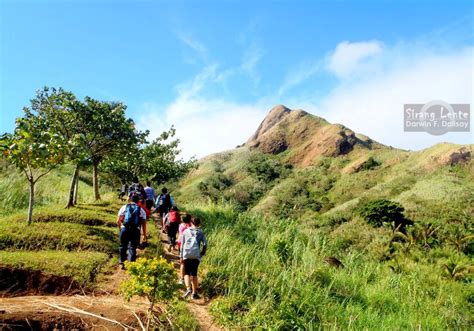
213,186
370,164
267,168
153,278
378,212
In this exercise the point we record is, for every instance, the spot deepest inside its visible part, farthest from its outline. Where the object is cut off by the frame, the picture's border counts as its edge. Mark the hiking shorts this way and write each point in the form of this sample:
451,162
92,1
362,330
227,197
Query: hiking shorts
191,267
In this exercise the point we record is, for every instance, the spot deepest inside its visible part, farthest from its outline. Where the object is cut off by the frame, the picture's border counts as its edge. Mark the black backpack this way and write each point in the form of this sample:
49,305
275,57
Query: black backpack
164,201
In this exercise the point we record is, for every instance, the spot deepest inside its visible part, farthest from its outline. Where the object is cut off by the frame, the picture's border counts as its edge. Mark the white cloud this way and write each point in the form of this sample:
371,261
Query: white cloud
370,102
204,125
192,43
348,56
214,125
297,76
373,105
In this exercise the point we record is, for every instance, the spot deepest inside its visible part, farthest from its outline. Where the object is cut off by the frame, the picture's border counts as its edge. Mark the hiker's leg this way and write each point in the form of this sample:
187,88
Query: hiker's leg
187,281
195,284
181,271
134,240
194,271
123,245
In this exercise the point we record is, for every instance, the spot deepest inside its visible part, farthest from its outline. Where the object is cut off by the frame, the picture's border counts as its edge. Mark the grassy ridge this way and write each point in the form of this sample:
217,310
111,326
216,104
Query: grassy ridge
79,242
273,274
83,267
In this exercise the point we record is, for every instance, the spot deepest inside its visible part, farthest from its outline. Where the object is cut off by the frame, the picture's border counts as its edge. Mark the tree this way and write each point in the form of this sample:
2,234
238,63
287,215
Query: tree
157,161
67,121
380,211
106,131
35,147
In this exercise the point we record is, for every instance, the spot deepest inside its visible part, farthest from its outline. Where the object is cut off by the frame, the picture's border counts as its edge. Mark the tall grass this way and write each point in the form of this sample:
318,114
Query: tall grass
51,190
273,274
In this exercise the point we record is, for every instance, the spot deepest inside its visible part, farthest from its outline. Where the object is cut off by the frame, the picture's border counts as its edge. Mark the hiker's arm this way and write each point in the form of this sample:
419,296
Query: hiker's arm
144,230
120,217
204,245
182,248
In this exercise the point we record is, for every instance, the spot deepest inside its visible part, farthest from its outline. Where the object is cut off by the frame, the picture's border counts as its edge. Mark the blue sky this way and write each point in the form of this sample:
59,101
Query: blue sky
215,68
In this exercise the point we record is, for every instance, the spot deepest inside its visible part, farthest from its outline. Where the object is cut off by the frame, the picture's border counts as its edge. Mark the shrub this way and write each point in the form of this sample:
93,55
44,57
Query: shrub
267,168
213,186
153,278
378,212
371,163
282,249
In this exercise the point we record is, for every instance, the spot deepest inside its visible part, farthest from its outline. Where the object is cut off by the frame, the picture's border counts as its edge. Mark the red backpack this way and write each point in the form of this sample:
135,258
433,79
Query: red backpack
174,217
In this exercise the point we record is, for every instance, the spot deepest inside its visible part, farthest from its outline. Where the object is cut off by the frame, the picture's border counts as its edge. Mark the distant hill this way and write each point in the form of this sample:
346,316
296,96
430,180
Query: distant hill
306,136
327,163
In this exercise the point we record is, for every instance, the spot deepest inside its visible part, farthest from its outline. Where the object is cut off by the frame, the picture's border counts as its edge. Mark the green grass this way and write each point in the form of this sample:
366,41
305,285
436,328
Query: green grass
57,236
83,267
51,190
272,274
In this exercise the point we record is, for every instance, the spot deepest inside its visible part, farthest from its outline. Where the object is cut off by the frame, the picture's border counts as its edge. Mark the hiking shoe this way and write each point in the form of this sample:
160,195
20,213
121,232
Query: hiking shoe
169,248
122,266
196,296
187,293
181,281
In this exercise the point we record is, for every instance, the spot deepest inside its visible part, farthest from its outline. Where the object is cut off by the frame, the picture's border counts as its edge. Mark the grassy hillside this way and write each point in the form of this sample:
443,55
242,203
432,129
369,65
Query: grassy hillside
281,219
281,274
62,247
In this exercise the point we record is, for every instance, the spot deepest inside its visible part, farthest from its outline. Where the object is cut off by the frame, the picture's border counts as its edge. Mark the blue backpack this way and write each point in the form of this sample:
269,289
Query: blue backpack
132,216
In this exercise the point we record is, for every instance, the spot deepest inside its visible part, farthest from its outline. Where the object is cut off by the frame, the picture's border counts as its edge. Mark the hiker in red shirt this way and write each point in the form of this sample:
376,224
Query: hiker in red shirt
171,225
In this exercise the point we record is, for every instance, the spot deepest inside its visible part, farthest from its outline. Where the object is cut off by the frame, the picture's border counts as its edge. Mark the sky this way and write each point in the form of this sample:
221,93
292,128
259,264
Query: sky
214,69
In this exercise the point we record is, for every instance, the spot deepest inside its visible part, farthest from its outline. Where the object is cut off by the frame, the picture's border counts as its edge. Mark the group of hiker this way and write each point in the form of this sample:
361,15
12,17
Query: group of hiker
182,229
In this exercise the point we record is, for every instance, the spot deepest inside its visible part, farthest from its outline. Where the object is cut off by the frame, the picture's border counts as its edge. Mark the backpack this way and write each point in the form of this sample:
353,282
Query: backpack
134,189
192,246
174,217
132,216
164,201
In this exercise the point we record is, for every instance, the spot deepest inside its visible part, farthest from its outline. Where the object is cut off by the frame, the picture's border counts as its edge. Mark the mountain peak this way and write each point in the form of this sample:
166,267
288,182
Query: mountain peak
306,136
275,115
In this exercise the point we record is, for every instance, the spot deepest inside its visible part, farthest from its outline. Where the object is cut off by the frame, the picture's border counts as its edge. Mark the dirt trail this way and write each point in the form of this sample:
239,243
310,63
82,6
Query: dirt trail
70,312
199,308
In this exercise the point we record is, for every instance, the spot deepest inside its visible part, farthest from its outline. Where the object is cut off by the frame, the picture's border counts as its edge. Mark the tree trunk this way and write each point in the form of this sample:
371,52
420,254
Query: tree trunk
95,180
72,188
76,188
31,201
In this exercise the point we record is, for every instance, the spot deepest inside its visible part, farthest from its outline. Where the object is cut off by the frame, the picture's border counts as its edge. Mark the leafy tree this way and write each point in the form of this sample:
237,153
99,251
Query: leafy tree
378,212
157,161
68,122
36,147
106,131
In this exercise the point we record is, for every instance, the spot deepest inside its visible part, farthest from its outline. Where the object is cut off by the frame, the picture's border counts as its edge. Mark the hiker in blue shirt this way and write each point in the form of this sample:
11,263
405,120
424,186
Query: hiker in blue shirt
164,202
130,219
150,196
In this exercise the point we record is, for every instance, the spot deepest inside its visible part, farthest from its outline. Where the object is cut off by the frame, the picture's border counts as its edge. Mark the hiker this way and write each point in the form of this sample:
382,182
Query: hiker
164,202
130,219
149,195
172,226
141,204
135,186
182,227
191,254
123,190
